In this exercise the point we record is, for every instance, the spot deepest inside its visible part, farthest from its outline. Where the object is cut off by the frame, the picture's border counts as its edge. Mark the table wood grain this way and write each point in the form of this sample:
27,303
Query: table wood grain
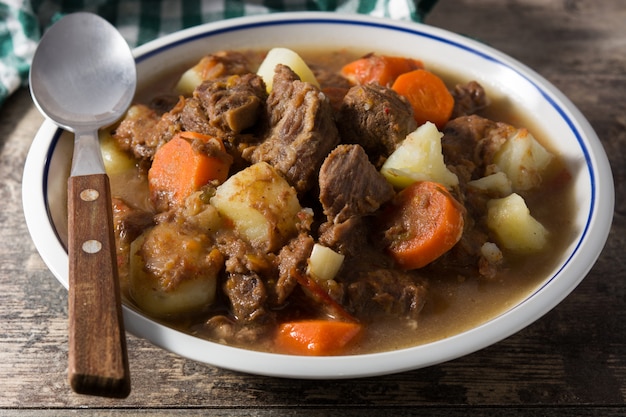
570,362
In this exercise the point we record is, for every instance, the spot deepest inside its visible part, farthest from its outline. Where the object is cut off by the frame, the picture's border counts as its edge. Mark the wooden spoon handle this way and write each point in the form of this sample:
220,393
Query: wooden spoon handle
98,361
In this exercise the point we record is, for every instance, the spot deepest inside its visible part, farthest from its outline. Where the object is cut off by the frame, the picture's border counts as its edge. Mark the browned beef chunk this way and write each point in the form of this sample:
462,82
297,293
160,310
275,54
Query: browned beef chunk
386,291
143,131
232,104
364,192
247,295
193,118
292,259
346,202
247,270
301,130
348,237
469,99
242,258
222,107
469,144
377,118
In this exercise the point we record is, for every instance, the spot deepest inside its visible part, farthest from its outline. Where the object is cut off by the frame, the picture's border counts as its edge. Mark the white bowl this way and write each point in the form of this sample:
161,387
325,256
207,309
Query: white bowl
48,161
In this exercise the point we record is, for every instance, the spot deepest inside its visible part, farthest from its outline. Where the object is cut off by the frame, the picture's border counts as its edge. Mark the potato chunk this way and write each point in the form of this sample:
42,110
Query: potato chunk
173,273
523,160
261,204
190,80
288,58
510,220
419,158
116,161
497,183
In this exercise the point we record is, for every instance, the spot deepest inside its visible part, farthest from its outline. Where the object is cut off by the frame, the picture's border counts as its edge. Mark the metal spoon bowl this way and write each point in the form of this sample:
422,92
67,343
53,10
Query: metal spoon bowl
83,78
83,73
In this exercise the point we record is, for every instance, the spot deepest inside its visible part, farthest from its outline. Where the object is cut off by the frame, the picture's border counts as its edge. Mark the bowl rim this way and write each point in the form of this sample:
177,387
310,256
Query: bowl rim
535,305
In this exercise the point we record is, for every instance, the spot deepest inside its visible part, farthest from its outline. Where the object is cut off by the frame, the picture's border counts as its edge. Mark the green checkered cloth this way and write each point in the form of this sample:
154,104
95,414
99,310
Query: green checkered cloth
139,21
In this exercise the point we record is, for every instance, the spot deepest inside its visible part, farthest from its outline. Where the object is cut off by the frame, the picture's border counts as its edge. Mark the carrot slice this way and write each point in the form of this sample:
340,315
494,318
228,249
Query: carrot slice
428,95
315,337
381,69
179,168
423,222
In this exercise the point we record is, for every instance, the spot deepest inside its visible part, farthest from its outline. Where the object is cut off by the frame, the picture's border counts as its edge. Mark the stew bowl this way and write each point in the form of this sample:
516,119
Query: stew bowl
48,162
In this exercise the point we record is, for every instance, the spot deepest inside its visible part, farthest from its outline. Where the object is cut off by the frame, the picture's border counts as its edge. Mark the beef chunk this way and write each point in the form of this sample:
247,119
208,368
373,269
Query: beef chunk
246,285
469,99
143,131
301,130
348,237
193,118
346,202
377,118
232,104
470,143
293,258
247,296
363,194
384,291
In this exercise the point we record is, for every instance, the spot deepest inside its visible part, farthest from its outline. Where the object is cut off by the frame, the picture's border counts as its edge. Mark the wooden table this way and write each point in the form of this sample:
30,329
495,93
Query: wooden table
570,362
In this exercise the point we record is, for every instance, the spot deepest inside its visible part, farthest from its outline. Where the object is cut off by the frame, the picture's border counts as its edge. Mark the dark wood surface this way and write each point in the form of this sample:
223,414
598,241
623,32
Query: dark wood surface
570,362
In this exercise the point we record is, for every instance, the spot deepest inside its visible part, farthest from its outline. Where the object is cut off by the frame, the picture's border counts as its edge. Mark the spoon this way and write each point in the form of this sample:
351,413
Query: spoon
83,77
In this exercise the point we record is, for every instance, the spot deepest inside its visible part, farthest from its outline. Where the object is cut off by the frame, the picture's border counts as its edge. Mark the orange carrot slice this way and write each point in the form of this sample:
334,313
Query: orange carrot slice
179,169
423,222
380,69
316,337
428,95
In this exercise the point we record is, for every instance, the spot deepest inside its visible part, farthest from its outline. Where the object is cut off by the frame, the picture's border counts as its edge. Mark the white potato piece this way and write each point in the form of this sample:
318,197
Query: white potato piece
419,158
192,77
510,220
288,58
188,81
181,279
523,160
116,161
261,204
497,183
324,263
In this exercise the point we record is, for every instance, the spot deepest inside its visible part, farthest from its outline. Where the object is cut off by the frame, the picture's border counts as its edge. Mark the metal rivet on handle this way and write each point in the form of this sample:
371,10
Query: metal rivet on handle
89,194
92,246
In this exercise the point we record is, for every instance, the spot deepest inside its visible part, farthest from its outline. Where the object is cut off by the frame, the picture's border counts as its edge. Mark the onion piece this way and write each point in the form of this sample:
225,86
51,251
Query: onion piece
324,263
